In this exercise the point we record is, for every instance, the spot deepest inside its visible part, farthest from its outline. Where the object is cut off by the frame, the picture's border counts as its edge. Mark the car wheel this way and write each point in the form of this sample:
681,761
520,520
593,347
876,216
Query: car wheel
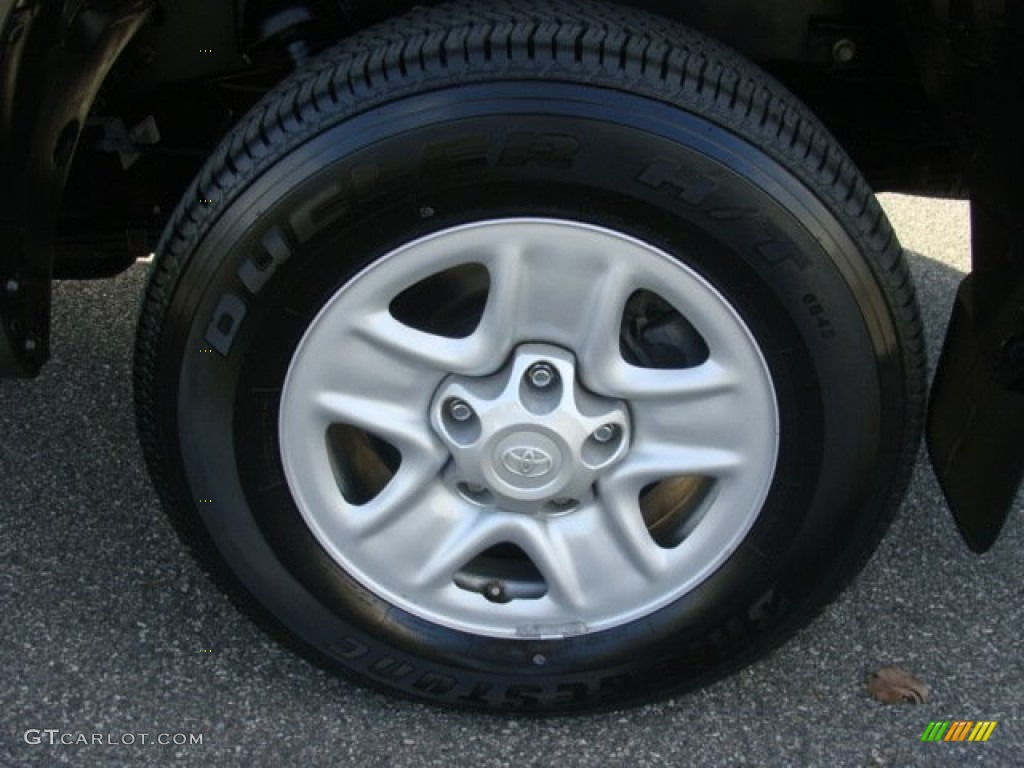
530,355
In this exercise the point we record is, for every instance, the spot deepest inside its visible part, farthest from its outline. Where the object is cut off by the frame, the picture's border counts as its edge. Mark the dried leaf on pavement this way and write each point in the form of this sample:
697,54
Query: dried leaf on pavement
893,685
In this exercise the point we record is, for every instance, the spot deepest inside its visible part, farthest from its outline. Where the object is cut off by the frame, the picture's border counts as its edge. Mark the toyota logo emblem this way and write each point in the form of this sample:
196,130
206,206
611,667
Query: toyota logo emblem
527,462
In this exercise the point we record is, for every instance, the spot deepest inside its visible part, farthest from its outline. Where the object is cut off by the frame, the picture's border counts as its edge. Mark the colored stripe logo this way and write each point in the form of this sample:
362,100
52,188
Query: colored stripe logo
959,730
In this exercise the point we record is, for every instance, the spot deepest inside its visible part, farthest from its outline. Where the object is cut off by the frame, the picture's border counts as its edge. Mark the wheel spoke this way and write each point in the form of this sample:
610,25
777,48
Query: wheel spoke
652,462
415,486
400,424
453,540
617,378
611,546
557,560
363,385
679,404
417,353
478,531
548,293
705,417
419,531
598,347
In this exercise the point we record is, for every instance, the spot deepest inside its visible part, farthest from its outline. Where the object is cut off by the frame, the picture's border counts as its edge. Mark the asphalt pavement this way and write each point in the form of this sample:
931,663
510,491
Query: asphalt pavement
109,631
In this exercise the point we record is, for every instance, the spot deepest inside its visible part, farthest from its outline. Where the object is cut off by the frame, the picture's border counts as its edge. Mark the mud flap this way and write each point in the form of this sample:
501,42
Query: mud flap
976,426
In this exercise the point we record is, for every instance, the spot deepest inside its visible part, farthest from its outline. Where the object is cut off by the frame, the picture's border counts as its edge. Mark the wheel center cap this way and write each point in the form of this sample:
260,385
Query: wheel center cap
527,459
530,437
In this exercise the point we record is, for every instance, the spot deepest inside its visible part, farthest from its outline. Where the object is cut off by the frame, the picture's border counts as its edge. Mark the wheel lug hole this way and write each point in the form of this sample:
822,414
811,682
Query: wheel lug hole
603,446
542,375
459,423
459,410
476,493
561,505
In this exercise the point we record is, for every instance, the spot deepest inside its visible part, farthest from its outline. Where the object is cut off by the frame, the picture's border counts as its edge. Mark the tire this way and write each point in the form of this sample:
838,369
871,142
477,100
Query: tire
530,356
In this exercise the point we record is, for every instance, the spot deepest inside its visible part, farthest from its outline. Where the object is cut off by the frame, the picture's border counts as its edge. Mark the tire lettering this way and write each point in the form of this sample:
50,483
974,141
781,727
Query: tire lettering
326,207
768,609
523,696
434,684
364,179
613,685
460,154
227,319
733,214
689,186
696,189
817,311
272,253
775,253
571,693
348,649
388,668
547,150
478,695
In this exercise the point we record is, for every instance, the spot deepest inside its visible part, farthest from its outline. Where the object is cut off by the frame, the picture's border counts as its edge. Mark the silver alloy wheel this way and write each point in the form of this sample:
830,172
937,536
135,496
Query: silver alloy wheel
525,477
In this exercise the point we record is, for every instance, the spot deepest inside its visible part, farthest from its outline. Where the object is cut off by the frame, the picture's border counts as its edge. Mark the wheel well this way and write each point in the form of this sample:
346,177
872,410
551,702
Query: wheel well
197,67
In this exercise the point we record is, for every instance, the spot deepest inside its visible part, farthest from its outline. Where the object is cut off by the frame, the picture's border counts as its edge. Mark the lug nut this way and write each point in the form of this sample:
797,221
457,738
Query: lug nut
541,375
605,433
459,410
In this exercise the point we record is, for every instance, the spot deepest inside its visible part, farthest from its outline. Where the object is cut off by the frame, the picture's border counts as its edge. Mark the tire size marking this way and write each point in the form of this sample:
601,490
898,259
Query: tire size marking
817,312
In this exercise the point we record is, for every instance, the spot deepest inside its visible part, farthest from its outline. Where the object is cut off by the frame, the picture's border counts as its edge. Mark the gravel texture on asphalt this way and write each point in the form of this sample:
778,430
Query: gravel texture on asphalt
109,628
